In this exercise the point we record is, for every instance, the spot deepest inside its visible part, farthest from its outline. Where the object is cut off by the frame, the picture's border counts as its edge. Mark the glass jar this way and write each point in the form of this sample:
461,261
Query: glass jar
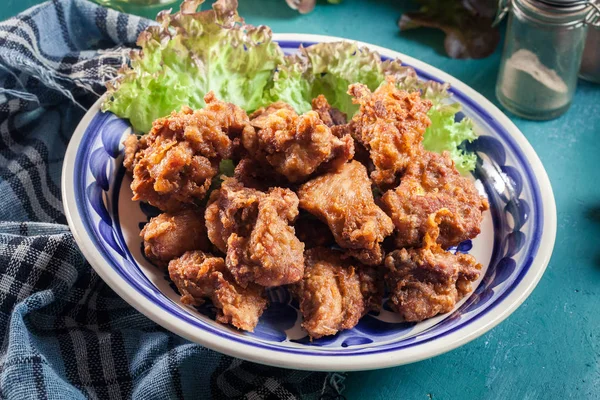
542,54
590,64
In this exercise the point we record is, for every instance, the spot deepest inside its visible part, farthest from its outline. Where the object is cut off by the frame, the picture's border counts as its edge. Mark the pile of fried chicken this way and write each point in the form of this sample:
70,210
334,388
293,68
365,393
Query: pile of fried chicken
300,209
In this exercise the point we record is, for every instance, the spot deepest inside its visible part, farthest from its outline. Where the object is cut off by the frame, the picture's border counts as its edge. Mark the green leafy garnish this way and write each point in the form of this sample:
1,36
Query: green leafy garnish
189,54
444,134
226,168
328,69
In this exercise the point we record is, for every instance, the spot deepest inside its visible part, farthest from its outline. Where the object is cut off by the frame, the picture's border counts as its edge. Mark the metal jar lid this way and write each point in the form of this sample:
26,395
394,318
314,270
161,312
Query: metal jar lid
565,3
558,6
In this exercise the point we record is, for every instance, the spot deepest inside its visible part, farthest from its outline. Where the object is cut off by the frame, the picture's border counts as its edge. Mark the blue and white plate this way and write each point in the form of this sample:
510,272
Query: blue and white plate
515,246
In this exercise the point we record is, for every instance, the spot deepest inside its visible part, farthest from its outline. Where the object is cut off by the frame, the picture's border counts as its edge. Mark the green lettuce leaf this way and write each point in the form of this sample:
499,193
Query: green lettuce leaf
328,69
444,134
189,54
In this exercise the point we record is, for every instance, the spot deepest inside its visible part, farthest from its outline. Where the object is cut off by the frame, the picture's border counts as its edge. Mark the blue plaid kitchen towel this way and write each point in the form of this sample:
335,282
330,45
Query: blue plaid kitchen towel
64,334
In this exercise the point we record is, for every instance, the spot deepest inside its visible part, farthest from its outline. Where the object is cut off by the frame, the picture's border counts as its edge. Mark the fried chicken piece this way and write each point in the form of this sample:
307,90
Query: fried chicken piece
372,287
183,152
430,184
169,235
232,208
133,144
332,293
259,117
271,255
253,229
200,276
373,256
312,232
329,115
344,200
428,281
169,176
340,128
390,124
296,146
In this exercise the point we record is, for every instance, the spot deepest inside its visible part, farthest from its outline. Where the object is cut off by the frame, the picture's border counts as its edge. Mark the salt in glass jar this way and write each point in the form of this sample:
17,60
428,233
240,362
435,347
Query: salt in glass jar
542,54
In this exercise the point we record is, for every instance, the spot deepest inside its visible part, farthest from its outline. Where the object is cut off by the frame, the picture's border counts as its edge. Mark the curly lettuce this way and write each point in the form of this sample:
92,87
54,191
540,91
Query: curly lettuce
445,133
188,54
328,69
191,53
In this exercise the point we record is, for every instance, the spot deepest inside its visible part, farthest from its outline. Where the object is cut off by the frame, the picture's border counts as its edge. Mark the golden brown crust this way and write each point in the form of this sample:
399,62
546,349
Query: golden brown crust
169,235
372,256
429,281
200,276
344,200
390,124
259,117
430,184
253,217
133,144
296,146
372,287
329,115
230,209
183,152
332,295
253,228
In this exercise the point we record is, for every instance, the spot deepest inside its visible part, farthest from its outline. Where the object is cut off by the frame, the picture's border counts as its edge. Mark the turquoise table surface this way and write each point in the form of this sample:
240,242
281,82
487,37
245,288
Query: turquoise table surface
550,347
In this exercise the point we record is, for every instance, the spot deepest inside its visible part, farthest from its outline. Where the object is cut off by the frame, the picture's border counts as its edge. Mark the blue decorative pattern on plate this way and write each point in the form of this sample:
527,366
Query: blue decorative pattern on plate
106,224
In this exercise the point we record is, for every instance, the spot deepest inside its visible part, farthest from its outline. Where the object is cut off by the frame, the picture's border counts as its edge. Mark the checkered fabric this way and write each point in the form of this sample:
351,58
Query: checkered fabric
64,334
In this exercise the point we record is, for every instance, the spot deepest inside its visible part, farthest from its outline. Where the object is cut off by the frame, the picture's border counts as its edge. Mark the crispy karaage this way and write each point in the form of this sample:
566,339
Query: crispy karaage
427,281
332,293
329,115
258,118
169,235
132,151
390,124
332,256
253,228
430,184
372,286
182,153
296,146
200,276
343,199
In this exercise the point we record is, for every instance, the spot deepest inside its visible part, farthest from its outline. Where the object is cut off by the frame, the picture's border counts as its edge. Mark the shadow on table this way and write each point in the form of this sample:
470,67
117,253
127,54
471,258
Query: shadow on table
593,214
432,38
